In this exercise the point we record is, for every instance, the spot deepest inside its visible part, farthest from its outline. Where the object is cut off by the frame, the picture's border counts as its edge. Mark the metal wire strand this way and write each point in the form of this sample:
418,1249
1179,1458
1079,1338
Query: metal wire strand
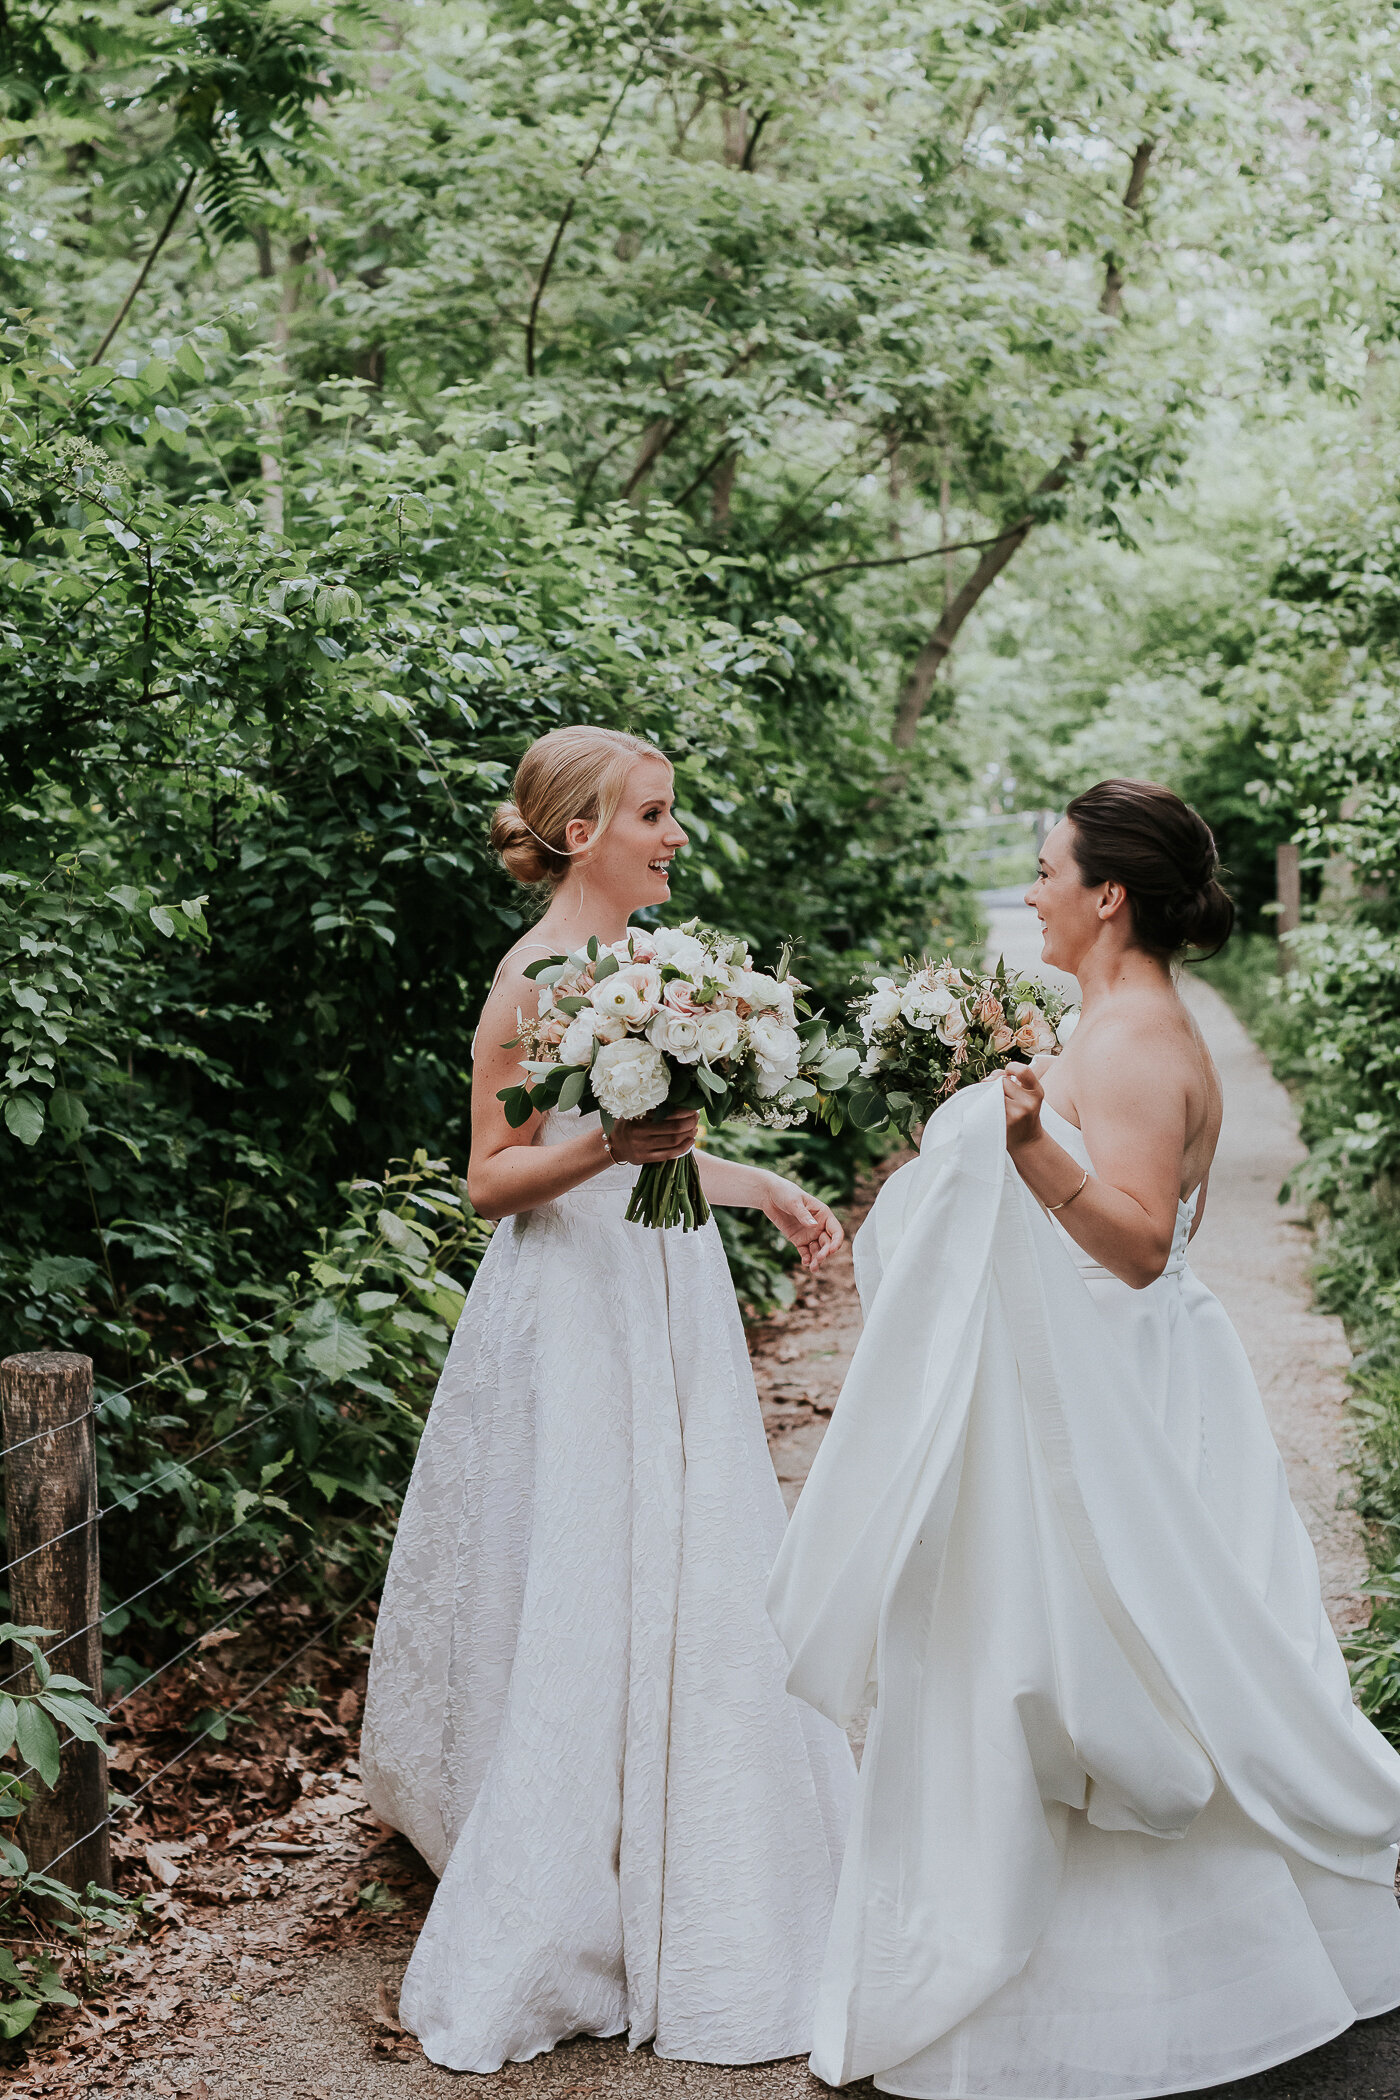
136,1596
151,1378
195,1741
124,1501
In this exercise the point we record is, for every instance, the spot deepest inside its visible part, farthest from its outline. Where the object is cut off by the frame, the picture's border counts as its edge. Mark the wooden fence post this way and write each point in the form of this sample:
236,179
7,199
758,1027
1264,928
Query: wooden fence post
51,1488
1288,880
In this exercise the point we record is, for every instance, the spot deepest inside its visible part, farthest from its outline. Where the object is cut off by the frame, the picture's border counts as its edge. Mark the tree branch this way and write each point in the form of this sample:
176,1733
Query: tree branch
930,660
746,164
897,561
584,172
161,238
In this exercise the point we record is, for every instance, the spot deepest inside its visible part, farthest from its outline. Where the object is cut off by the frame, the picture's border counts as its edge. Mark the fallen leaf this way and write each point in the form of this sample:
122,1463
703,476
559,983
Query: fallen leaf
347,1706
386,2015
161,1857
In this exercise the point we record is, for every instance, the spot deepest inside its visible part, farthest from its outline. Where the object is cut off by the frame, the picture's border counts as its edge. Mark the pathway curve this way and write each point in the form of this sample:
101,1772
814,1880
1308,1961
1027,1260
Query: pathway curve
328,2035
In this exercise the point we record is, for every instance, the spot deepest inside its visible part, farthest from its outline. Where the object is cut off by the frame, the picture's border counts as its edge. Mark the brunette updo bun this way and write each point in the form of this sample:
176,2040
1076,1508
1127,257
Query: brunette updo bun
1163,854
569,773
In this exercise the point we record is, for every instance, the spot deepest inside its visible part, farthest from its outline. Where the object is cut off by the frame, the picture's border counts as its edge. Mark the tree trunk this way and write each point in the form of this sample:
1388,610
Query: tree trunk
655,438
721,490
918,686
270,459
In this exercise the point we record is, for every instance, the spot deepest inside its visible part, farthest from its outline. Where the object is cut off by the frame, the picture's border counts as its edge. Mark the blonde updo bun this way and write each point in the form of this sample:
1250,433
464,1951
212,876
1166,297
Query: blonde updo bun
568,774
524,857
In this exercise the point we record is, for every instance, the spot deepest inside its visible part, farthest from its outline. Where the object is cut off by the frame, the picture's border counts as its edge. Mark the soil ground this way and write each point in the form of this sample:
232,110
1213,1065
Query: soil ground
276,1977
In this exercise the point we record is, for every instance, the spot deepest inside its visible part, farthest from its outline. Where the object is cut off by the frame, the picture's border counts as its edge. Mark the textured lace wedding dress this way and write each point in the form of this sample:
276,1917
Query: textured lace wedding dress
1121,1831
576,1704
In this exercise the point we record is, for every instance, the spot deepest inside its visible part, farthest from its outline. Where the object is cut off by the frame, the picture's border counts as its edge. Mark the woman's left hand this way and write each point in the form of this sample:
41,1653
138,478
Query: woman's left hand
814,1230
1021,1091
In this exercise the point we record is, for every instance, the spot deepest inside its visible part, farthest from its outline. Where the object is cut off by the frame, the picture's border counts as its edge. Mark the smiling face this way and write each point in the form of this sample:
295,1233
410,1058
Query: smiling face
1073,914
631,860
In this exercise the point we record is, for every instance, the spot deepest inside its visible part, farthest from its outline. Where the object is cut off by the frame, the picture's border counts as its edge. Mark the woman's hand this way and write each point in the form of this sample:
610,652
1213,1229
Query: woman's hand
1022,1094
812,1228
642,1139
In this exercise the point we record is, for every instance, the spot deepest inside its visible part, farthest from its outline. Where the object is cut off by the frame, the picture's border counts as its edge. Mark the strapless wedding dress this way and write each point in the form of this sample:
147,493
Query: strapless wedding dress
576,1708
1121,1831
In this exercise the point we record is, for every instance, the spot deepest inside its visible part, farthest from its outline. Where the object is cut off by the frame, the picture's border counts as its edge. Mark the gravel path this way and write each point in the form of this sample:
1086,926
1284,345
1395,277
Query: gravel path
325,2031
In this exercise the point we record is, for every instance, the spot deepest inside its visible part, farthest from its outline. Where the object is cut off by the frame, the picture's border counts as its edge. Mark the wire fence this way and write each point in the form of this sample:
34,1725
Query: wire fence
180,1469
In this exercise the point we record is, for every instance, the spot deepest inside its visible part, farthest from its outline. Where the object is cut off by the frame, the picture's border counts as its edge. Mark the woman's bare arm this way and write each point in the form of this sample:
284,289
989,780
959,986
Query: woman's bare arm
811,1226
1134,1130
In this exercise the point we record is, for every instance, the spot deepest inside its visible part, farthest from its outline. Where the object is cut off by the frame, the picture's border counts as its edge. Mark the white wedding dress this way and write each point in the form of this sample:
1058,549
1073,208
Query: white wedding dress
1121,1830
576,1707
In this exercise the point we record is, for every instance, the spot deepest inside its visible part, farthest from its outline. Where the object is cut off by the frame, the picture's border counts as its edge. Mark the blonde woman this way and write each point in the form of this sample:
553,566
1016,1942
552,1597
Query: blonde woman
576,1704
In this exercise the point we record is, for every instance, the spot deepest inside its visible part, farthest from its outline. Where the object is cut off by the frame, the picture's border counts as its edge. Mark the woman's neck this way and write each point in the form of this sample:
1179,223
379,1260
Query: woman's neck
1106,973
577,912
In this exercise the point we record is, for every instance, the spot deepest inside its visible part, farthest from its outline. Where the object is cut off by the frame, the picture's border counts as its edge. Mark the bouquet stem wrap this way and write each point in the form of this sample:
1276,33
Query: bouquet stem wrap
668,1192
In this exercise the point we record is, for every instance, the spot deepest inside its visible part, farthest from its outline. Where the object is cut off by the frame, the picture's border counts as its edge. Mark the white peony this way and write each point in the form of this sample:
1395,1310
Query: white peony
617,997
922,1004
677,1034
719,1034
629,1078
763,994
576,1044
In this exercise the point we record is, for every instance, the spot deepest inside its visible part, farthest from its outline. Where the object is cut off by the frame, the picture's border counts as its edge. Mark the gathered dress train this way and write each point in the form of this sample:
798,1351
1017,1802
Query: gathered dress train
1121,1831
576,1707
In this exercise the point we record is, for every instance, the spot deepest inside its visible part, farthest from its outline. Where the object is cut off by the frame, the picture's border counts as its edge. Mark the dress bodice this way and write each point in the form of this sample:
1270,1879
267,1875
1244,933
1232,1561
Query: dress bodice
605,1194
1072,1138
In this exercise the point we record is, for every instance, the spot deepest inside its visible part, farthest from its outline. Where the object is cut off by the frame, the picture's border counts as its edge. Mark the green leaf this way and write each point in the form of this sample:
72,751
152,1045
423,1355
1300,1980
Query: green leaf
571,1092
9,1716
608,967
189,360
36,1739
341,1104
17,2016
24,1118
160,918
517,1104
865,1106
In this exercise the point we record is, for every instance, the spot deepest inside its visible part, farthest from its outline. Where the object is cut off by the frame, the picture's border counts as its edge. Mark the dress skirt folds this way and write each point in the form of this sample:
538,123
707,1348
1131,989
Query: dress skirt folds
1121,1831
576,1708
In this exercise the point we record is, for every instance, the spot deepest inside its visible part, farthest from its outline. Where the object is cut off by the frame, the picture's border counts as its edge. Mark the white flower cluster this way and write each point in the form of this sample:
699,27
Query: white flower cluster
685,996
940,1027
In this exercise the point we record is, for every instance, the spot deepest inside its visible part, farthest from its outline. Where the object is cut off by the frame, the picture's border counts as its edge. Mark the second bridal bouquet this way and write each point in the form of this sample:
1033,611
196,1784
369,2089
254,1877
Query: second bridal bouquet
939,1028
675,1018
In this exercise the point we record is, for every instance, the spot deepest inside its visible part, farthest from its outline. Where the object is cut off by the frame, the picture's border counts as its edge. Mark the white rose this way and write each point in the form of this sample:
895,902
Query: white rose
616,997
874,1057
777,1051
882,1007
629,1078
719,1034
764,994
952,1026
576,1045
922,1004
683,951
645,980
677,1034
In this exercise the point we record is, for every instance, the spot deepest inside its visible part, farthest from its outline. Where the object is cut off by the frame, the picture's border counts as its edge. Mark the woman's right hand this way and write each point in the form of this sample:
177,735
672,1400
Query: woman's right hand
642,1139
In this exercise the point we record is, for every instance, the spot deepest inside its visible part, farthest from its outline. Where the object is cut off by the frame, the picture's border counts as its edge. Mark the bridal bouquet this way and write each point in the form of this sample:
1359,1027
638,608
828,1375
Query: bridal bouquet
939,1028
674,1019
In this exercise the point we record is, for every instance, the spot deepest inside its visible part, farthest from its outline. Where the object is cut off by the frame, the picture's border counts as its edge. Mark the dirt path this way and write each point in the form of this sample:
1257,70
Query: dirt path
319,2025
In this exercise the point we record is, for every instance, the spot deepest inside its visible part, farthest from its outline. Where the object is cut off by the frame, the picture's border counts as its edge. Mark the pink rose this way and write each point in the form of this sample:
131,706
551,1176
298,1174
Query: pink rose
1003,1037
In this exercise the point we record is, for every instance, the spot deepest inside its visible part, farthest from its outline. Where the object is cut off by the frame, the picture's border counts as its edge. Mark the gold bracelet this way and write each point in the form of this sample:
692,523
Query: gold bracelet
1073,1193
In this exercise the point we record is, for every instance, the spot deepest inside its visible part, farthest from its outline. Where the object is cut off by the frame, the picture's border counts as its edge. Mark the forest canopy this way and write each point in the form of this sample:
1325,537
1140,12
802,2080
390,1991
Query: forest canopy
903,414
